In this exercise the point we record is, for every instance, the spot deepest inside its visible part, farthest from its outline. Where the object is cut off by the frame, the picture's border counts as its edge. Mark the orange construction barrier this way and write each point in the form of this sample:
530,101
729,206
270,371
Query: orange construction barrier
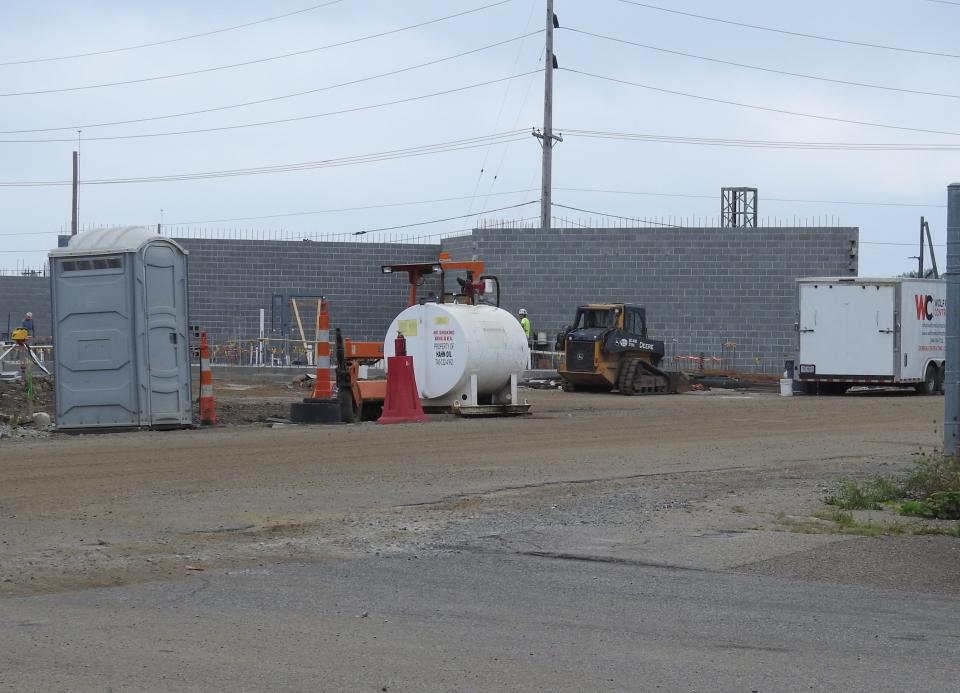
208,409
323,385
402,402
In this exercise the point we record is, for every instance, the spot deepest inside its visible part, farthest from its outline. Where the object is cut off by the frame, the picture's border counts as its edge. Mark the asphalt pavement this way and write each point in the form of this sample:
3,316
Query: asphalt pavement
479,621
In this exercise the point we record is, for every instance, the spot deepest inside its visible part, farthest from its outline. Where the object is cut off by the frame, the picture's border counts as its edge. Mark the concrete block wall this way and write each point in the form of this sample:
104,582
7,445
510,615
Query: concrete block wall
702,286
19,294
231,280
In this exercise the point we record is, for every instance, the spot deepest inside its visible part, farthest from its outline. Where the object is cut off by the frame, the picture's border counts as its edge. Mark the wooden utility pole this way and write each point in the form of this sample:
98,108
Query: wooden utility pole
546,136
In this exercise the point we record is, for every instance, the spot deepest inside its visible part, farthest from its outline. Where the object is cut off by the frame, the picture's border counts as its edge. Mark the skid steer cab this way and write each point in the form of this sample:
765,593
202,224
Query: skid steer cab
607,348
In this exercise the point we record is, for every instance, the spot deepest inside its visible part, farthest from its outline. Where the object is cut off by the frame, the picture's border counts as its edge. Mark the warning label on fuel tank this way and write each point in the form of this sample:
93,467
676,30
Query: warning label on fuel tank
443,347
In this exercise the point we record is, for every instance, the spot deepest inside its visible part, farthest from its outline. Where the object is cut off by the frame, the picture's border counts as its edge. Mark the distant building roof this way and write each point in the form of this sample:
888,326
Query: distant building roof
121,239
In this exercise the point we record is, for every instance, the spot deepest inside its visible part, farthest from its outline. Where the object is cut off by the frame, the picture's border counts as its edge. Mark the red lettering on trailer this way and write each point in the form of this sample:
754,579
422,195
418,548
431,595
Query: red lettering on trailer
923,307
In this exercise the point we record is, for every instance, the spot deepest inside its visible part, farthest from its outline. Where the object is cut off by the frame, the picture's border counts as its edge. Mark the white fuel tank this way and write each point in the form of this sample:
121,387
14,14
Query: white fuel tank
450,343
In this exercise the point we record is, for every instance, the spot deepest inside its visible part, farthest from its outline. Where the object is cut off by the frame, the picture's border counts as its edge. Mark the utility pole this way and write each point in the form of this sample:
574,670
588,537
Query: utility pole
951,400
546,137
923,243
933,255
76,185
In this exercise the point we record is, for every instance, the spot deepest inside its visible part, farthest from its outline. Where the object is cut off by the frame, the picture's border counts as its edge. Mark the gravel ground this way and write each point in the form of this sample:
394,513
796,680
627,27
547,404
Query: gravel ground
604,543
712,481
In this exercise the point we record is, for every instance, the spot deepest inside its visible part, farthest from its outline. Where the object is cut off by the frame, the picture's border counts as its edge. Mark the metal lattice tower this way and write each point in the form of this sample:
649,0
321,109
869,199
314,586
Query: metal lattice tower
738,208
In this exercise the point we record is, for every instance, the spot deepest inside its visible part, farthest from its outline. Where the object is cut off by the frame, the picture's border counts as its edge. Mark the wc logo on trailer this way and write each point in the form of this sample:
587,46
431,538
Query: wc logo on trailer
929,307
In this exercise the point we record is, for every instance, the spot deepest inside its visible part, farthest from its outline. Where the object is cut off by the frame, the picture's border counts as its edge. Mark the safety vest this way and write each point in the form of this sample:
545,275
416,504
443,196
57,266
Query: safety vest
525,324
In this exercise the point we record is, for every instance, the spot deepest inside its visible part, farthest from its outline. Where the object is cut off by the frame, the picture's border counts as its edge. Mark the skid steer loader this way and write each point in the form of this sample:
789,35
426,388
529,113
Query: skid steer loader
607,348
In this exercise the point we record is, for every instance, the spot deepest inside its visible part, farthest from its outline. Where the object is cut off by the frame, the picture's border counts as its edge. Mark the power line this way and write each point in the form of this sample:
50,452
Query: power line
348,234
765,198
279,121
516,120
765,69
397,227
329,87
343,209
173,40
421,150
313,237
259,60
452,231
616,216
437,221
503,102
674,226
760,108
945,2
767,144
300,214
831,39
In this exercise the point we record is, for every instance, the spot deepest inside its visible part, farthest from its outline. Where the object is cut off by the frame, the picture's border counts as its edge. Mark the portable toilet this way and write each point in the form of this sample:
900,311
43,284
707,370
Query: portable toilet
121,351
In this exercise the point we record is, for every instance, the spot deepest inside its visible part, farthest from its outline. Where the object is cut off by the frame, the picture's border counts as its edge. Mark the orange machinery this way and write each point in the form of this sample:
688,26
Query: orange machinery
362,399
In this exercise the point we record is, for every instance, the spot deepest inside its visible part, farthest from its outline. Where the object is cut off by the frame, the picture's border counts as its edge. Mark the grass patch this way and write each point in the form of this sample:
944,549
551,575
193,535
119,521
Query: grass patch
845,523
943,505
931,489
868,495
937,474
950,531
844,519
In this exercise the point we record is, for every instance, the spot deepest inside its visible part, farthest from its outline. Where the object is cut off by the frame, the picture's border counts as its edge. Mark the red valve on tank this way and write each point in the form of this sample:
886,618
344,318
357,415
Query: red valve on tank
400,345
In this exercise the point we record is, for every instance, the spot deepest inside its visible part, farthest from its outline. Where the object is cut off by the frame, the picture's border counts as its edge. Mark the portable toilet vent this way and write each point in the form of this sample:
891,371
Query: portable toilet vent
121,357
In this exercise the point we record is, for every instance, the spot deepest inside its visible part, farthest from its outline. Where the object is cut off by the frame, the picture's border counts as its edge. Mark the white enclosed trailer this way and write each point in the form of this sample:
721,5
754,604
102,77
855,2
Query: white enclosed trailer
866,331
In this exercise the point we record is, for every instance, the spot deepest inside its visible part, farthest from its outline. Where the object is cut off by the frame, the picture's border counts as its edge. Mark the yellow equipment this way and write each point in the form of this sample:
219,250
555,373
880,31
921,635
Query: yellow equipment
20,337
607,348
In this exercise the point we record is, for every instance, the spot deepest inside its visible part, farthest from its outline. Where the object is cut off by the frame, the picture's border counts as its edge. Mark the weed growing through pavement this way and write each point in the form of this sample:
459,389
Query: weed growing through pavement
931,490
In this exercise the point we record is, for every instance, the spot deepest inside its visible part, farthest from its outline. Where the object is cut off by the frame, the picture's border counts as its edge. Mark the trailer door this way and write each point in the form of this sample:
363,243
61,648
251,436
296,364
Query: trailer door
847,329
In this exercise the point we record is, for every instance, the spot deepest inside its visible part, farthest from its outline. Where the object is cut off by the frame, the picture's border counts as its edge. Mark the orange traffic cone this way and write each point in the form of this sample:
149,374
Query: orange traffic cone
322,407
208,410
402,402
323,385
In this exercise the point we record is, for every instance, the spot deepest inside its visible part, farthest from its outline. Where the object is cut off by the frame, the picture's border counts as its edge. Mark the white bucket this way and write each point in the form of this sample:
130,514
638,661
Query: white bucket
786,387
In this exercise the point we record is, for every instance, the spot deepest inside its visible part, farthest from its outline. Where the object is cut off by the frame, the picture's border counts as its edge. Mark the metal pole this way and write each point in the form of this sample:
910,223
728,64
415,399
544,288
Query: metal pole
76,185
920,258
546,182
951,400
933,255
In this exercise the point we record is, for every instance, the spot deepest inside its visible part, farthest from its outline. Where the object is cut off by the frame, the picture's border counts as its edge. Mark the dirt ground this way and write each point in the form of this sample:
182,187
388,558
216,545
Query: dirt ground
716,480
13,396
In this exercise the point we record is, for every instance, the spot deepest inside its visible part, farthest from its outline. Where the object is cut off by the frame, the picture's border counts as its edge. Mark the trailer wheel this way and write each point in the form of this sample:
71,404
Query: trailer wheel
942,378
929,384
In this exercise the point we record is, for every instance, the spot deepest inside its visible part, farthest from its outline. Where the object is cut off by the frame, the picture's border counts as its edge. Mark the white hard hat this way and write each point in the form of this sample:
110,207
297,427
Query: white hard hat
522,311
29,314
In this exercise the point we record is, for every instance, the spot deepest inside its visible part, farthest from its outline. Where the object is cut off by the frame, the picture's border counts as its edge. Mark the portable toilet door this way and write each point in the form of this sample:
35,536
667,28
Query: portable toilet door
120,331
165,342
95,364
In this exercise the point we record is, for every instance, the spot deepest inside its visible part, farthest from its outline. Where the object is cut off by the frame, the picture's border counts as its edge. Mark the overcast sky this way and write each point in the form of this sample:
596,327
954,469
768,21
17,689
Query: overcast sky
32,216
